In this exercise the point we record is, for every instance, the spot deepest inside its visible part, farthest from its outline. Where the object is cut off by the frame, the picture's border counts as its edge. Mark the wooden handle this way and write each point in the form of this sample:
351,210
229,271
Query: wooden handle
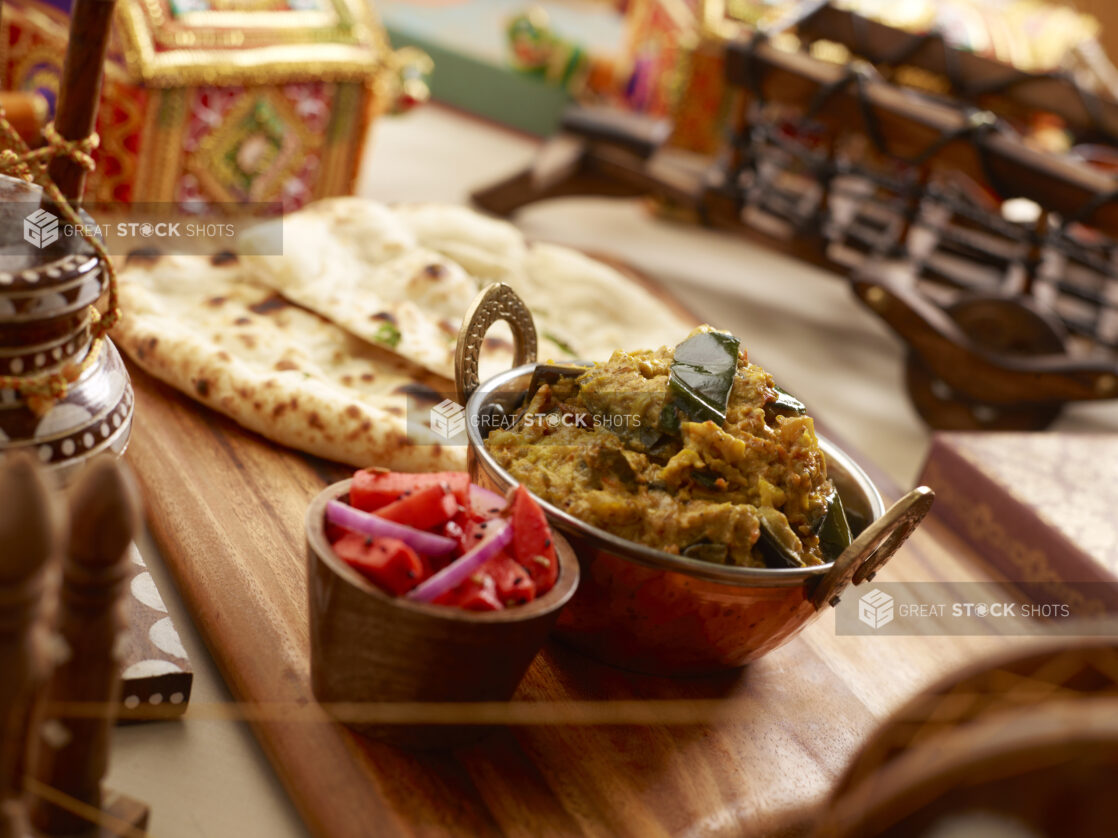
29,538
984,376
497,302
974,77
74,754
79,91
923,131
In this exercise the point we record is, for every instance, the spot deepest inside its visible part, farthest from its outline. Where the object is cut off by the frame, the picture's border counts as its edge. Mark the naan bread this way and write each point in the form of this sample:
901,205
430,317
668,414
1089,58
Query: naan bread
202,326
404,277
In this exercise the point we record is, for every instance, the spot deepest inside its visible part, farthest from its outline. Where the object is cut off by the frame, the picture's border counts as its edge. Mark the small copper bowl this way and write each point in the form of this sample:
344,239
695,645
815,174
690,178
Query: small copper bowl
369,648
643,609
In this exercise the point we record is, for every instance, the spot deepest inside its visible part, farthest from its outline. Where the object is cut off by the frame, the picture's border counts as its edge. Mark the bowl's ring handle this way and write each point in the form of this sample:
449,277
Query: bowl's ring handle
869,552
495,302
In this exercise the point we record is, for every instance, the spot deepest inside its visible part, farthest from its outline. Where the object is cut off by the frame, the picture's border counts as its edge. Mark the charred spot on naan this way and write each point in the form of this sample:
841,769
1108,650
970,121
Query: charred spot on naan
271,303
146,346
420,392
223,257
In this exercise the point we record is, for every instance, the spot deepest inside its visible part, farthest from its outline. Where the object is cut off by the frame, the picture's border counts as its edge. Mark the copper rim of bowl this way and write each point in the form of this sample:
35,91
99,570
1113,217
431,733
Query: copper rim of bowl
650,556
556,598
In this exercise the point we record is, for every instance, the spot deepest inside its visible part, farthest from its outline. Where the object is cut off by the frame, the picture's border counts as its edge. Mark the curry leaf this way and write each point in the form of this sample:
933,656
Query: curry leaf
702,375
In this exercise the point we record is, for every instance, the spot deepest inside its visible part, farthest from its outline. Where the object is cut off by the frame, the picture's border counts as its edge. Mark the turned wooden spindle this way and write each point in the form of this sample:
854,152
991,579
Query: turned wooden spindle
30,534
79,89
72,755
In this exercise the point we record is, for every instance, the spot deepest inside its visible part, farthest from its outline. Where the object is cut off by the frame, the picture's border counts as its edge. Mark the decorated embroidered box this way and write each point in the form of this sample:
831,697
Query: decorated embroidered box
215,101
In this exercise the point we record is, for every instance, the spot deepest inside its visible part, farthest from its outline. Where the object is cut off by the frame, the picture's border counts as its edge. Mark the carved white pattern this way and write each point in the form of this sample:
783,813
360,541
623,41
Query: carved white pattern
60,419
166,639
48,304
115,381
150,668
143,588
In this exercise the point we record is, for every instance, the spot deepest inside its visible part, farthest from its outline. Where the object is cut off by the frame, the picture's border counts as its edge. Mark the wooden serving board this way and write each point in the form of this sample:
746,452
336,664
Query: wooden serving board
226,507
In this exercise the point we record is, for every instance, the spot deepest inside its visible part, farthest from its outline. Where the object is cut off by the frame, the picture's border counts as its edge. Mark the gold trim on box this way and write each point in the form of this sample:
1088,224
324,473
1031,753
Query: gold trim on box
263,48
258,26
308,19
160,164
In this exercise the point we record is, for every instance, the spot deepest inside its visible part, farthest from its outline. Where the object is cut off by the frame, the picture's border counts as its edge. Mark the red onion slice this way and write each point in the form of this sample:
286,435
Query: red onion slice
484,500
366,523
461,569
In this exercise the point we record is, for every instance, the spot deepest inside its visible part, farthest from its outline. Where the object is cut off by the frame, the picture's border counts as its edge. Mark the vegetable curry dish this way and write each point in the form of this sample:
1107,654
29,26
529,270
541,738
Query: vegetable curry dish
694,451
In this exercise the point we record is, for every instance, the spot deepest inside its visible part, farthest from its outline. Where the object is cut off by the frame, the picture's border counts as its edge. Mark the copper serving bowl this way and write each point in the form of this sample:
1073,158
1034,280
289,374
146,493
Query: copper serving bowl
647,610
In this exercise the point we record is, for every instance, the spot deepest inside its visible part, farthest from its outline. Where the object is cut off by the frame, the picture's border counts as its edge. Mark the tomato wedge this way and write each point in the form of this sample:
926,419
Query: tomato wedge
478,593
514,583
372,489
388,563
532,546
431,506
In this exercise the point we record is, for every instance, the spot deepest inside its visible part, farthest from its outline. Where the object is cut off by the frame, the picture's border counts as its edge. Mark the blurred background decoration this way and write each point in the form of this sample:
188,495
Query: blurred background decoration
955,160
208,104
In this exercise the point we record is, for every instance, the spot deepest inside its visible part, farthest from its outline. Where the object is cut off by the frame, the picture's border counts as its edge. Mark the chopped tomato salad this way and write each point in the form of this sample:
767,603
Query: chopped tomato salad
437,538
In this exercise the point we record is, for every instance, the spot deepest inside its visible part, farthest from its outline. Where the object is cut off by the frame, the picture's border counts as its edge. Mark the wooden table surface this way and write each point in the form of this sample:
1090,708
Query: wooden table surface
206,777
226,508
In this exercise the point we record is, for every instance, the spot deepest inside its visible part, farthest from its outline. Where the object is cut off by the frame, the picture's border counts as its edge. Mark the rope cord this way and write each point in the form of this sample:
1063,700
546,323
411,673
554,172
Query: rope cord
19,161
